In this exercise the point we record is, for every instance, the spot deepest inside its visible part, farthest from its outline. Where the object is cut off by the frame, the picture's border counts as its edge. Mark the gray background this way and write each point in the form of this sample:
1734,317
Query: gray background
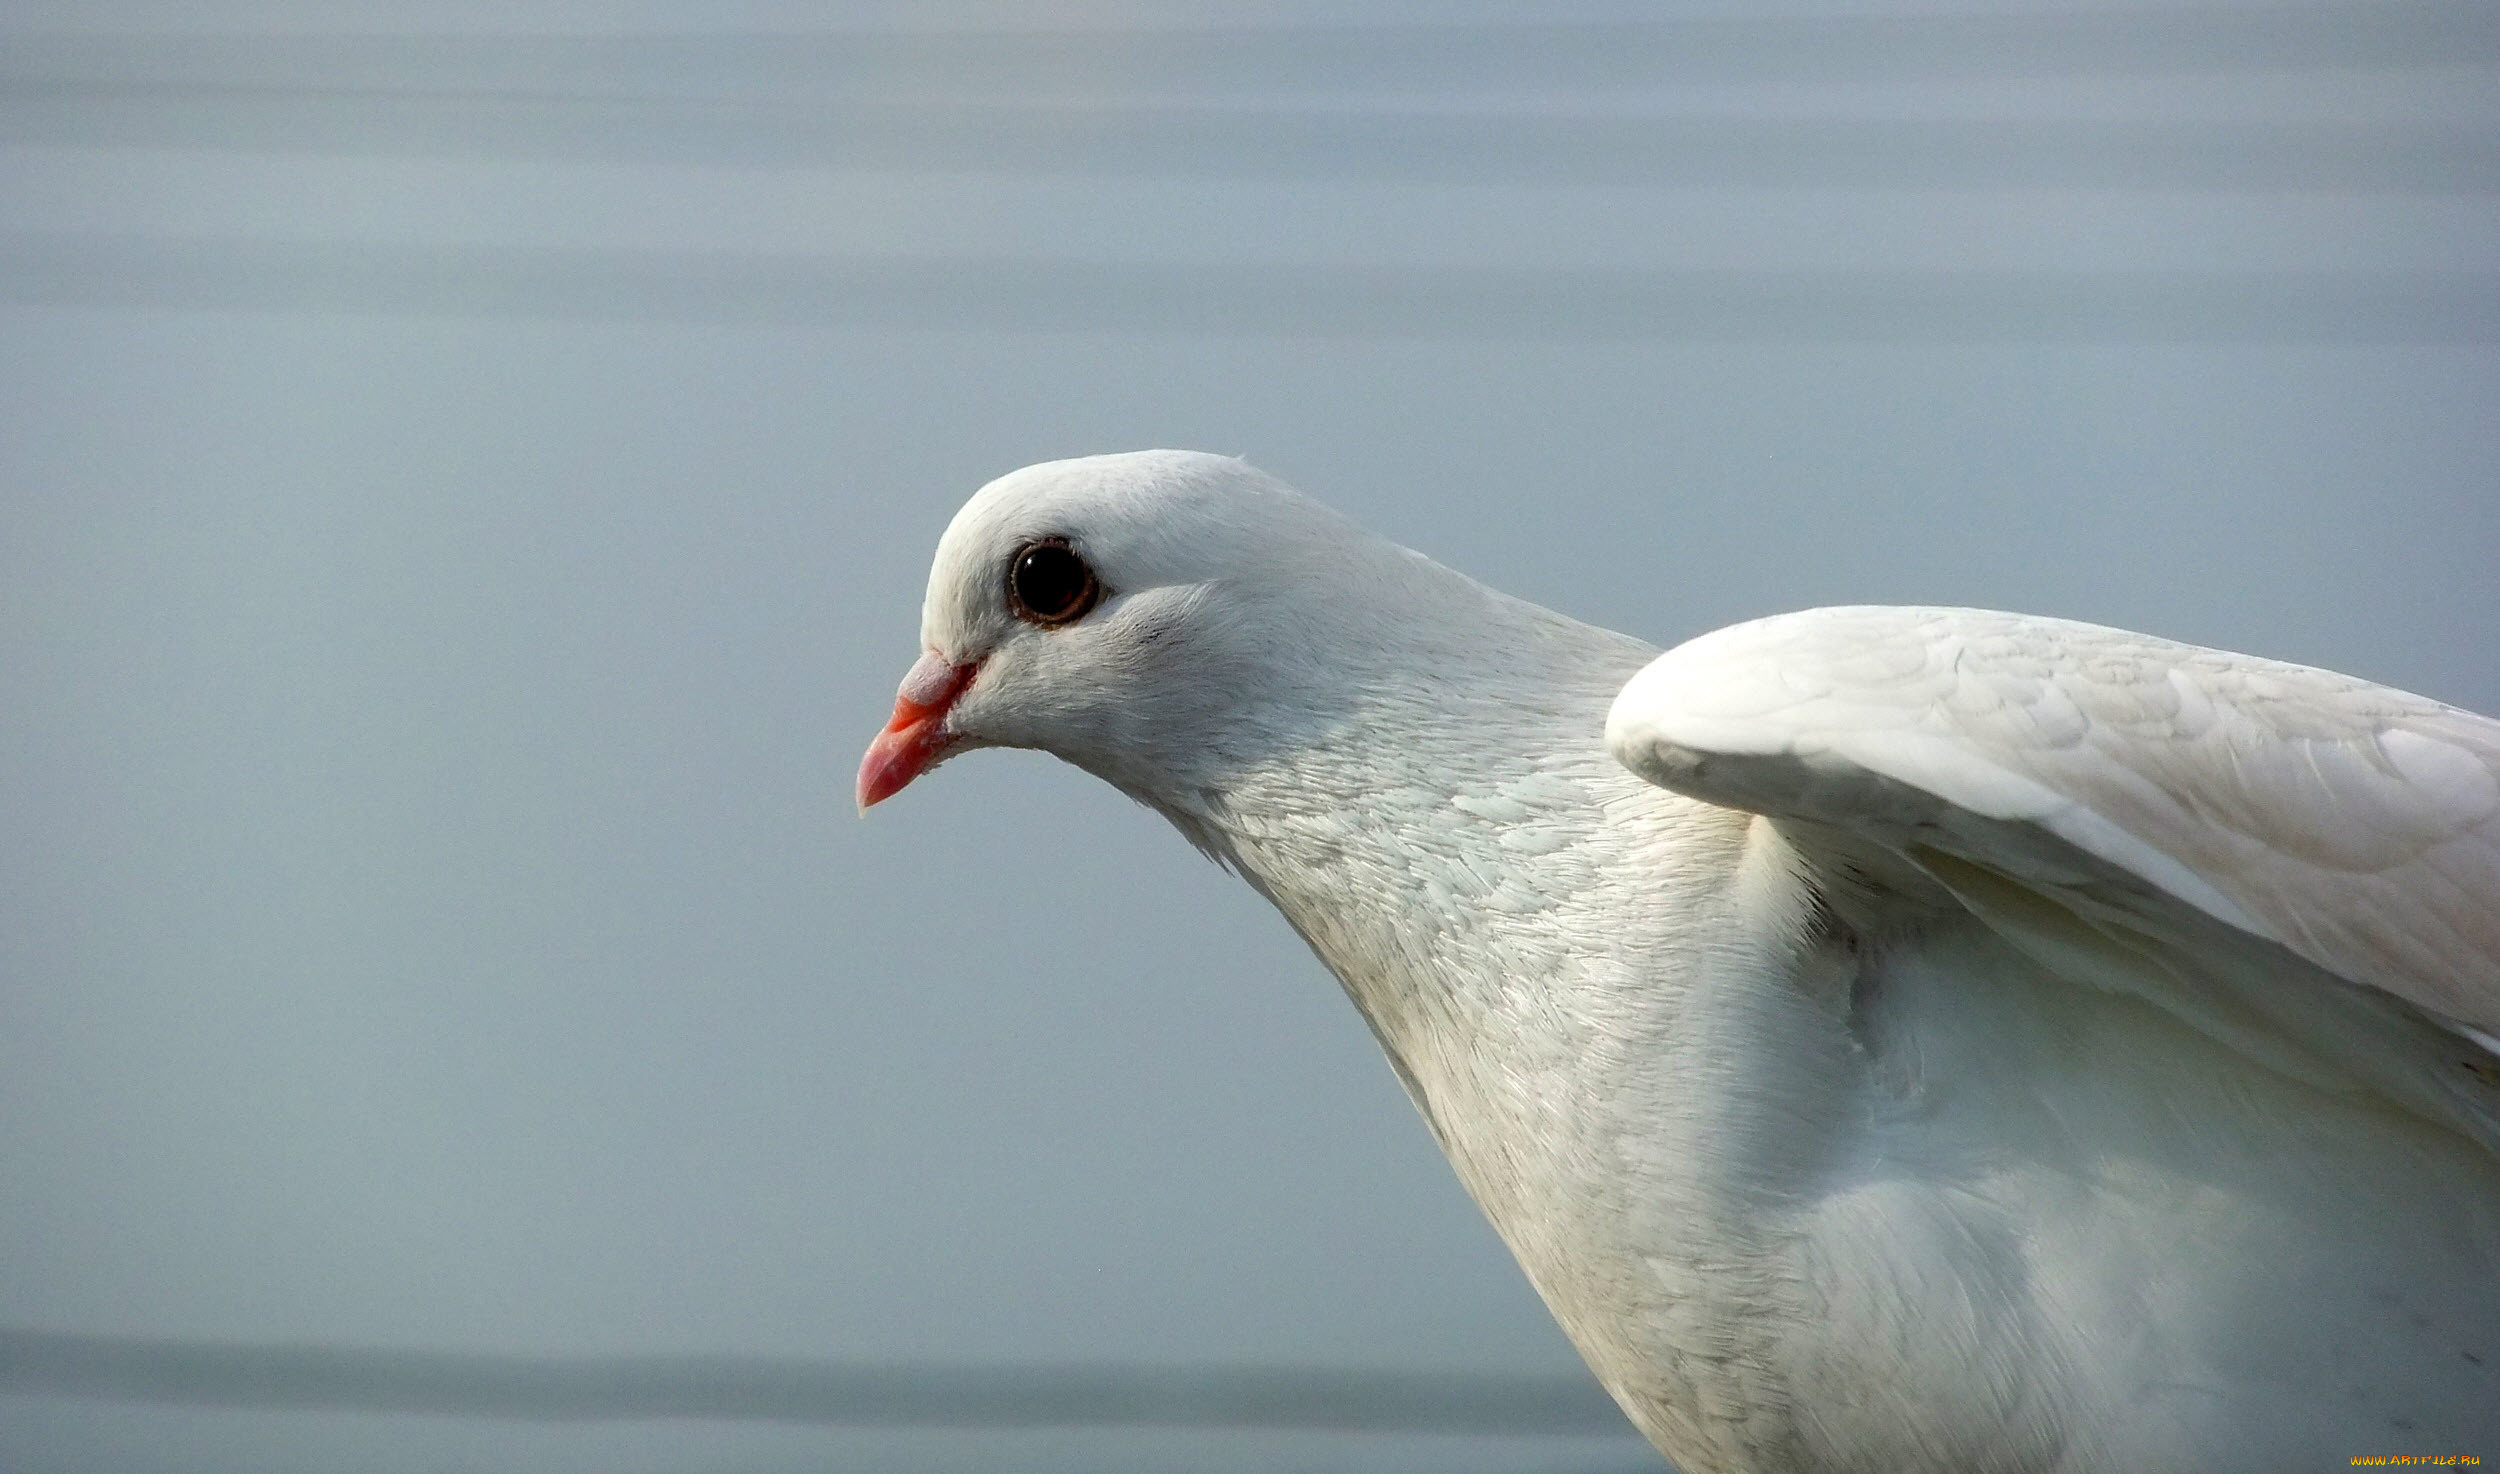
469,470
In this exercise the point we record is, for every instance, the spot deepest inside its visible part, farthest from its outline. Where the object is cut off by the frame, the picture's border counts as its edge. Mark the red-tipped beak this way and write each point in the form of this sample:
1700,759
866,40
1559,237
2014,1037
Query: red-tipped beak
917,734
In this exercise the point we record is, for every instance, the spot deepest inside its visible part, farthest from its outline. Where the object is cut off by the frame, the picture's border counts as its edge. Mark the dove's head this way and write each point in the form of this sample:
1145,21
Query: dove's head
1145,616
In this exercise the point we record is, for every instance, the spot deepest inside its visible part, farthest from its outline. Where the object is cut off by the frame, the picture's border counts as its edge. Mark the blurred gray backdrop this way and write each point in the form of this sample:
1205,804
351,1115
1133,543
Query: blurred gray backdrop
466,477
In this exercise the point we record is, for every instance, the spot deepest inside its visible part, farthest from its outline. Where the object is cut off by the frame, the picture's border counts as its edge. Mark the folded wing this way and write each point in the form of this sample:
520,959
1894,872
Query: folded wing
2272,851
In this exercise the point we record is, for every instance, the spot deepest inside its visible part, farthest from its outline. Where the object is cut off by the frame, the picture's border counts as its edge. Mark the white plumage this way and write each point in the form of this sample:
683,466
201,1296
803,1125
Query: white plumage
1890,1039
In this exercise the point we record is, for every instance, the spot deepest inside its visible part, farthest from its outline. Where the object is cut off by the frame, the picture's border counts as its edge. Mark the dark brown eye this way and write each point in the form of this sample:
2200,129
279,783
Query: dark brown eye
1048,584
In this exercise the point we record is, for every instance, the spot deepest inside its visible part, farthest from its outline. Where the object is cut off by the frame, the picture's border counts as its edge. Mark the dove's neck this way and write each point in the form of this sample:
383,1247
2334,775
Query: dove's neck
1587,984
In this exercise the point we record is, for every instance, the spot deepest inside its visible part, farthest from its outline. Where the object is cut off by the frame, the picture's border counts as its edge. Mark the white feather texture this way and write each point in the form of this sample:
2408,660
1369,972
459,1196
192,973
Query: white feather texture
1890,1040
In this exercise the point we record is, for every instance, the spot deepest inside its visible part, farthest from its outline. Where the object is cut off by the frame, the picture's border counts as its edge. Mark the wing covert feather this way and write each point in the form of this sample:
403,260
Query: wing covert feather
2355,825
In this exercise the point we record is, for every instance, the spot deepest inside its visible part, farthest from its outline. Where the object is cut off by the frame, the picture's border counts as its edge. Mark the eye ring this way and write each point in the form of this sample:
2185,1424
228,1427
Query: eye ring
1050,584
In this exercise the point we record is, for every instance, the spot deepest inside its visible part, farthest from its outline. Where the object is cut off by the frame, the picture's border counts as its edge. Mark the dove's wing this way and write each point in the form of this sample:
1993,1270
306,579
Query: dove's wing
2272,851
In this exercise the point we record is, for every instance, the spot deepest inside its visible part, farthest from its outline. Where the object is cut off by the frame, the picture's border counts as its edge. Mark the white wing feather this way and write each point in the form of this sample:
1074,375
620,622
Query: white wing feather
2354,826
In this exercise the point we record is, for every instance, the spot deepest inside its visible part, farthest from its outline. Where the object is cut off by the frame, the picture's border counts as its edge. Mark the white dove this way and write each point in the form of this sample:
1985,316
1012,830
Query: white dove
1889,1039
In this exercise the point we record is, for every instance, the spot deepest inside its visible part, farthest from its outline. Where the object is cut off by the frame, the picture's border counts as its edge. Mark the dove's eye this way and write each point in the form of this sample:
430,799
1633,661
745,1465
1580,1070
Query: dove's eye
1048,584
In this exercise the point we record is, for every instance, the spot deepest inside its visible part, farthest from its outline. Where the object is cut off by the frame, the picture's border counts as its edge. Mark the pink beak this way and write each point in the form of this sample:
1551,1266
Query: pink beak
916,736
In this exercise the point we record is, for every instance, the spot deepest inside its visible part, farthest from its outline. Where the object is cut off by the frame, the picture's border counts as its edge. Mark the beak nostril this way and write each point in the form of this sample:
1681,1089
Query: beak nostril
933,681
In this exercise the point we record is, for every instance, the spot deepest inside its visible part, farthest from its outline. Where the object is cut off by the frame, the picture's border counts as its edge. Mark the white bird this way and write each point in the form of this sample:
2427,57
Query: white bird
1889,1039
